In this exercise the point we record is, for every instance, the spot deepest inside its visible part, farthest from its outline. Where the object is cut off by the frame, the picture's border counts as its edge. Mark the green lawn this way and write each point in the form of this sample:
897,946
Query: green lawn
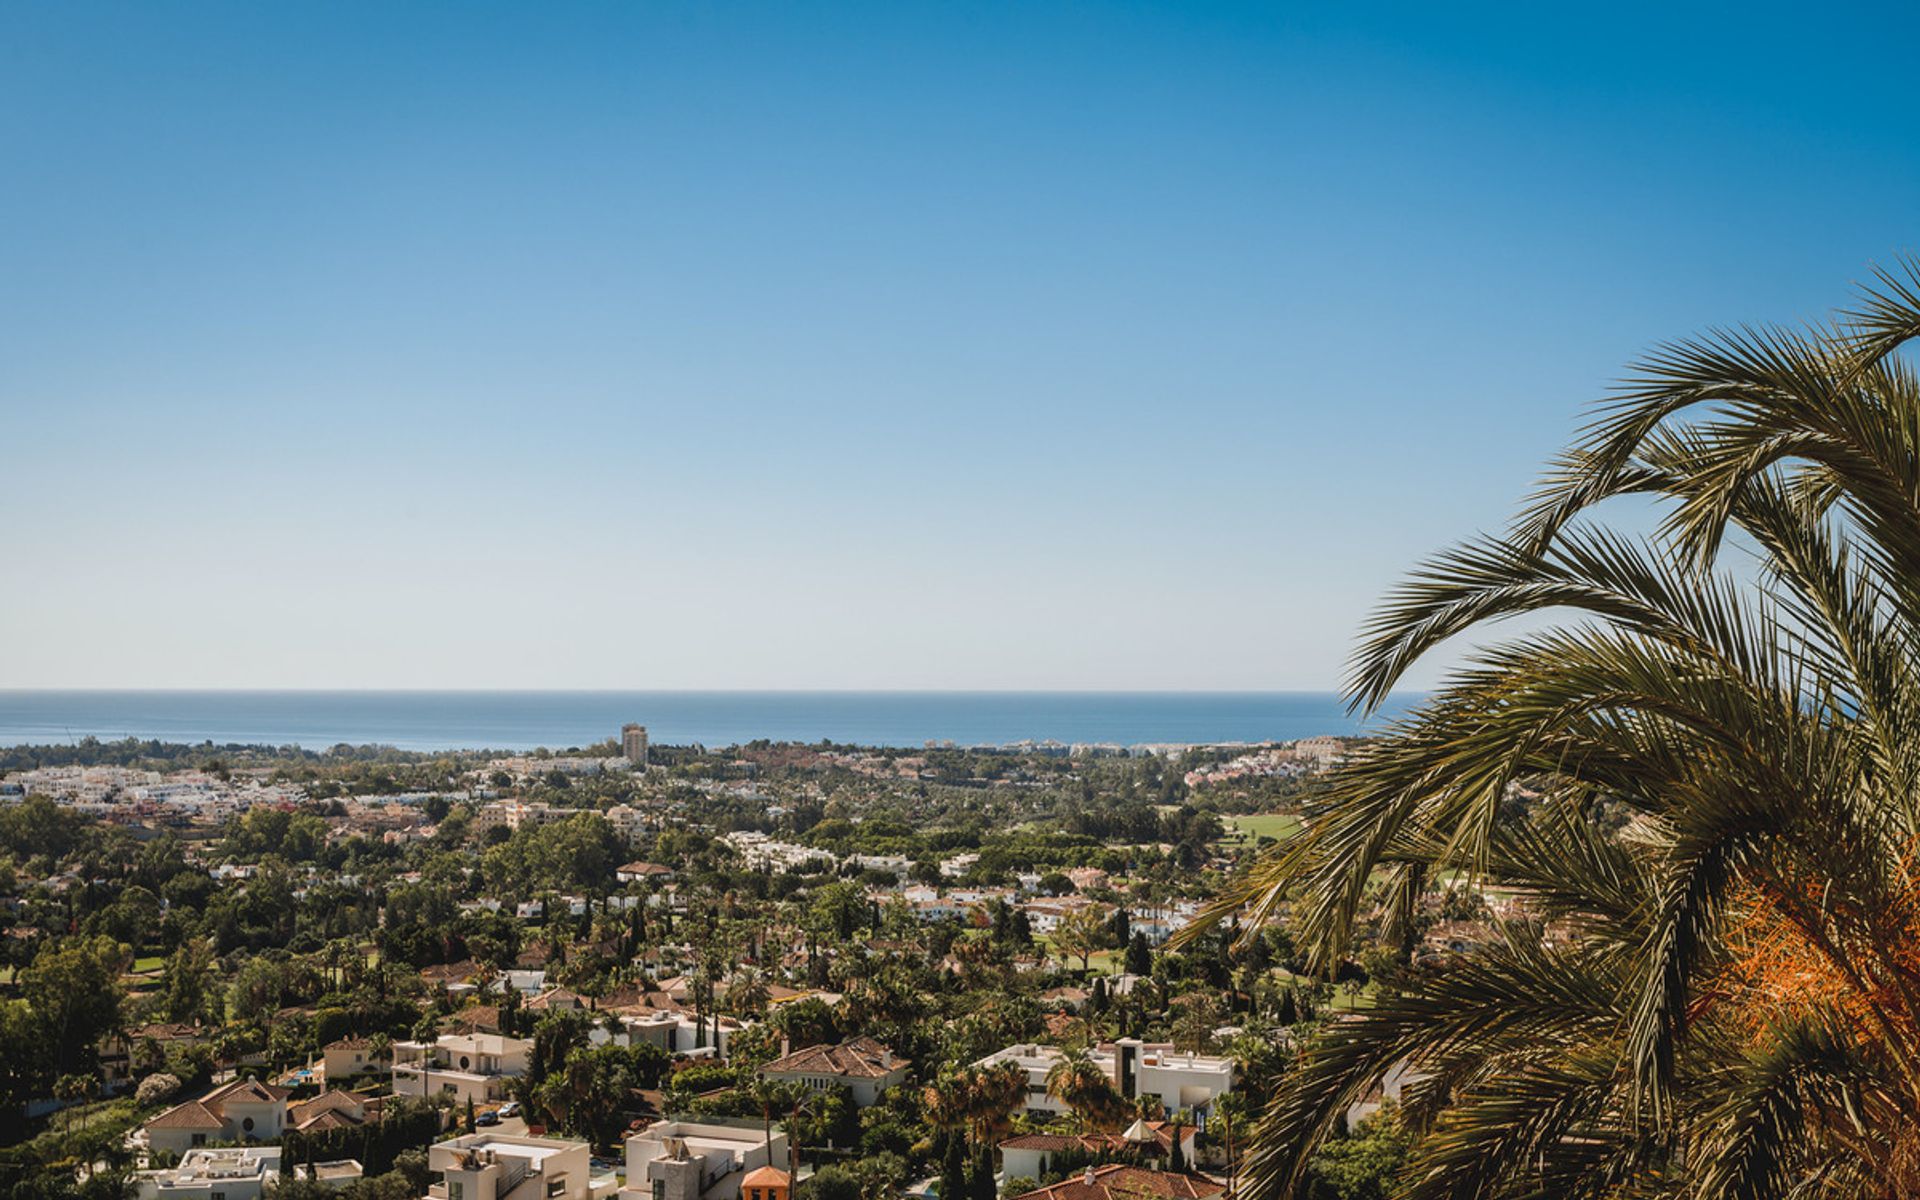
1250,829
152,962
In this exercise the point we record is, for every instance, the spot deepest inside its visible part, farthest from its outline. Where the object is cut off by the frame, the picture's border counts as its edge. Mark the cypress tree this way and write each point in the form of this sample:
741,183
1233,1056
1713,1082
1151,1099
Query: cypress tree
953,1171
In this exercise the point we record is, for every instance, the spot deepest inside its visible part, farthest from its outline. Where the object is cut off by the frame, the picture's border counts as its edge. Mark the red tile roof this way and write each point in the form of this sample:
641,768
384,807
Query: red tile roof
191,1115
861,1058
1118,1181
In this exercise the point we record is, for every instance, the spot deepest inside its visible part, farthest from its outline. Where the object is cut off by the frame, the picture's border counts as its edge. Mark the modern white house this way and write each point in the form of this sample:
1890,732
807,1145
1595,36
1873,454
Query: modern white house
679,1033
698,1160
1390,1087
498,1166
244,1110
332,1175
466,1066
230,1173
1176,1079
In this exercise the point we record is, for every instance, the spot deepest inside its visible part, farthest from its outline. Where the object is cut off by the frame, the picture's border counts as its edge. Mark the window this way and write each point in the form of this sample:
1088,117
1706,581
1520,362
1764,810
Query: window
659,1189
454,1189
247,1124
199,1139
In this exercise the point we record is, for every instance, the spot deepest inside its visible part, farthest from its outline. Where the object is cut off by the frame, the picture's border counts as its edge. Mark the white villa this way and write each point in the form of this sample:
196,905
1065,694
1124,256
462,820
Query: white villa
232,1173
498,1166
467,1066
1176,1079
698,1160
245,1110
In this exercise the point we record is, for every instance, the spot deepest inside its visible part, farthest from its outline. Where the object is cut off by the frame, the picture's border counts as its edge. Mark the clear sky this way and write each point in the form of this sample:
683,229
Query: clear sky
882,345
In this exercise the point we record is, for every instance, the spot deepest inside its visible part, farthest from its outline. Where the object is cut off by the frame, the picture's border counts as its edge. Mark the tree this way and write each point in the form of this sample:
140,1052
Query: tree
189,982
1706,774
1366,1166
1083,1087
833,1183
70,1089
74,992
1081,933
1193,1028
155,1088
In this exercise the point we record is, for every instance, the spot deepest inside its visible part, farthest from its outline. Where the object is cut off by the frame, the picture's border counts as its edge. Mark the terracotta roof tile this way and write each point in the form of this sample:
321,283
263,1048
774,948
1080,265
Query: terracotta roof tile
861,1058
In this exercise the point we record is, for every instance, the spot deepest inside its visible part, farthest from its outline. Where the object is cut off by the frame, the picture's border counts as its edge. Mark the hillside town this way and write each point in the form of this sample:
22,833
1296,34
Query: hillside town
667,973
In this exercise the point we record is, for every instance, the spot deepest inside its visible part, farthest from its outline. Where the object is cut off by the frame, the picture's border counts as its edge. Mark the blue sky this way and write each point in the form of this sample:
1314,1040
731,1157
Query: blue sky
879,345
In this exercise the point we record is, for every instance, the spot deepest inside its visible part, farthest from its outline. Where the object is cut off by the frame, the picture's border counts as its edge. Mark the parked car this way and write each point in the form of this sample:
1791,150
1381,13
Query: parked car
487,1118
510,1109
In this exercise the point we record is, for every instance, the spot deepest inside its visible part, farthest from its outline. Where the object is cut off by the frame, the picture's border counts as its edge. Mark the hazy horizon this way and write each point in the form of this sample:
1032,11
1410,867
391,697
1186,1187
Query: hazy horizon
525,719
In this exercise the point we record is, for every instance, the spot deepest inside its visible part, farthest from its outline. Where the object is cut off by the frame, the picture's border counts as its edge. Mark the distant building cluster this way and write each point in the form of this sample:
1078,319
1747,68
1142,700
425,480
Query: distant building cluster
115,791
1304,757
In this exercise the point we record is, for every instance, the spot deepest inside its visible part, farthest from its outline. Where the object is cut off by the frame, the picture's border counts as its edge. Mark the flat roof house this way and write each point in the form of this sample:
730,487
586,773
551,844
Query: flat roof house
499,1166
232,1173
1138,1069
699,1160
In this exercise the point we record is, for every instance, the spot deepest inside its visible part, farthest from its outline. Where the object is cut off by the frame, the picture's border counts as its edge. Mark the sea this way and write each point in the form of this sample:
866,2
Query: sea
557,720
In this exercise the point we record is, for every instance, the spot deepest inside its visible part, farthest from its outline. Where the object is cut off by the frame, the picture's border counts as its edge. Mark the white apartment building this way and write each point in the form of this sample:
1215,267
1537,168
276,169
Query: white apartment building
698,1160
466,1066
233,1173
498,1166
897,865
514,814
763,853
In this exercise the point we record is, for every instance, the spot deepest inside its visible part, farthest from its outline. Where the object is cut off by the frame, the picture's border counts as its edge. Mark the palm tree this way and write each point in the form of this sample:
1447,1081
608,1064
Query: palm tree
994,1094
1083,1087
943,1104
380,1048
977,1101
1705,783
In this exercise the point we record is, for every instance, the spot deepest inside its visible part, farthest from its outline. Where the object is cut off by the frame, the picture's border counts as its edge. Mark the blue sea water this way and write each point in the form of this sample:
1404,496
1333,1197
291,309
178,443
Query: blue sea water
520,720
